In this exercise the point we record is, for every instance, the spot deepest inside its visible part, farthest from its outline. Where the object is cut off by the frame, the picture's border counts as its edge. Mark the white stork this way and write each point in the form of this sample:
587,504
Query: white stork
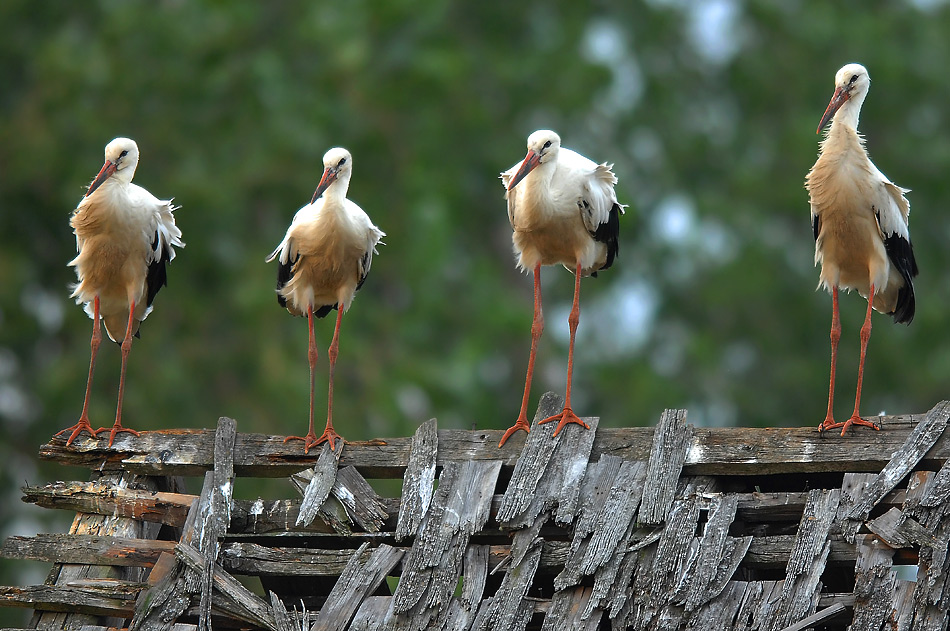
124,236
563,209
322,261
860,225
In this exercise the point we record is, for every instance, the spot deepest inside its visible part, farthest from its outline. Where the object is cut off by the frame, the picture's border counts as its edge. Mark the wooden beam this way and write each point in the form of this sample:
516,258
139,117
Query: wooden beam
711,451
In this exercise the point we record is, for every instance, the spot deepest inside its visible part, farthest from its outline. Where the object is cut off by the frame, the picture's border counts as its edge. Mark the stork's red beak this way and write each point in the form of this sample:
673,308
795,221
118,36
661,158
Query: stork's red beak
107,170
329,177
530,162
840,96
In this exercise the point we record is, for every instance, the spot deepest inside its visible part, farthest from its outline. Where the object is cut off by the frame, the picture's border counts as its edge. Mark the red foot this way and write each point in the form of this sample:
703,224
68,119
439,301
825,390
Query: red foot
115,429
520,424
311,440
565,417
829,423
76,429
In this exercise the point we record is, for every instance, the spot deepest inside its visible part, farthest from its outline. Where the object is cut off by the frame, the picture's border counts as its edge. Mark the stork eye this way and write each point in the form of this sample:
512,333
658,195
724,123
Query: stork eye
124,153
341,162
854,78
546,145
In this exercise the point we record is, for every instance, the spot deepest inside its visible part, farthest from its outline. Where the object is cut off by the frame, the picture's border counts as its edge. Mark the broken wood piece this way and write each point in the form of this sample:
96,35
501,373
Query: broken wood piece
418,481
319,481
671,441
357,581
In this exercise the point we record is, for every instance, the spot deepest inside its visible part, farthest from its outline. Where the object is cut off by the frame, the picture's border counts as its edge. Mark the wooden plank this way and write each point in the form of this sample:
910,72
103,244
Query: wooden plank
706,574
670,443
103,498
86,549
918,443
238,602
319,480
358,581
874,584
362,505
372,614
548,474
567,611
799,595
95,598
460,507
604,519
819,616
712,451
506,611
418,481
65,575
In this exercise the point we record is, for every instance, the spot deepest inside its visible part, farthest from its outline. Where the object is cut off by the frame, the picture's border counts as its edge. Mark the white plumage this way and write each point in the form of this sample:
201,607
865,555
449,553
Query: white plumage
322,261
563,210
124,238
860,221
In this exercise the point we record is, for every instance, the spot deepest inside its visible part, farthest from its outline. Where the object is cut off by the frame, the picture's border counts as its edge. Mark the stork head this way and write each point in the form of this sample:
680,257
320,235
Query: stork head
337,166
543,146
851,86
122,156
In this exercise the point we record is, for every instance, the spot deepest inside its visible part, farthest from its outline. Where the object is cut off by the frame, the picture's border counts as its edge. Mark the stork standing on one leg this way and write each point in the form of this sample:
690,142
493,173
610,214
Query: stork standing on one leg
322,261
860,223
563,209
125,236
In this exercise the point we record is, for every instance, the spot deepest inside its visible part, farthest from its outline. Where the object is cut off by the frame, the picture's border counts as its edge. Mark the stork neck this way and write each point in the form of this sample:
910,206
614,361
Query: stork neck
849,113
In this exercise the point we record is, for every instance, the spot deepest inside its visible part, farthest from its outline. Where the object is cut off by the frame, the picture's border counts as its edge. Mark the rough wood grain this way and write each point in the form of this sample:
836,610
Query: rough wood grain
231,598
418,481
612,497
506,611
86,549
667,454
105,598
460,507
712,451
547,476
799,595
568,611
359,501
874,584
357,581
103,498
318,481
918,443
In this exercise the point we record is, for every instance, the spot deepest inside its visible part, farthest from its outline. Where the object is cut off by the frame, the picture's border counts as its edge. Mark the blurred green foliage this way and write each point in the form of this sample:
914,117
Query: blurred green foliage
708,110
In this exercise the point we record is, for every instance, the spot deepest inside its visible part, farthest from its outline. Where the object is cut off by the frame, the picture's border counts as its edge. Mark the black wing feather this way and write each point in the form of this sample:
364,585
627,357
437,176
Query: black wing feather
284,272
609,234
901,253
816,225
155,277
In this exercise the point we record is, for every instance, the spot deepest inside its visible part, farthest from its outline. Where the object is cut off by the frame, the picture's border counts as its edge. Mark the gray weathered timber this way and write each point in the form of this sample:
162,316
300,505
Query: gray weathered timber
874,584
357,581
105,525
818,616
235,600
707,573
604,518
318,480
418,481
373,615
918,443
712,451
547,476
667,455
103,498
114,598
507,610
569,610
359,501
799,595
460,507
852,489
86,549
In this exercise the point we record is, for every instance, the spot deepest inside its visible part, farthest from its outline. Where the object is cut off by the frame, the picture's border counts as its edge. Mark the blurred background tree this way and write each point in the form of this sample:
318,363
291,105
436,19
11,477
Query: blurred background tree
707,109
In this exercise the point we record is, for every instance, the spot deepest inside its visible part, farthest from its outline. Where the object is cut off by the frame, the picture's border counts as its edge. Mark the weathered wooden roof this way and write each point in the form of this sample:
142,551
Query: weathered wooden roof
670,527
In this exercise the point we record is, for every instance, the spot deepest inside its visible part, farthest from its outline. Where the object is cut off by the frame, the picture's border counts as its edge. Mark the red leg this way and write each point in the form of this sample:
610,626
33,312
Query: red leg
126,348
310,439
537,327
567,415
329,434
83,423
865,336
829,421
